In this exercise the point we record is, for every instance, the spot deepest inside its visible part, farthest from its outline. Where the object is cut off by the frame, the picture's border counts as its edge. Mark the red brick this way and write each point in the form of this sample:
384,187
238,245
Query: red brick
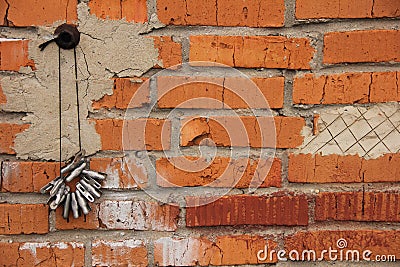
89,221
243,131
319,9
23,219
127,93
169,52
139,134
14,55
346,88
358,206
138,215
27,176
3,98
131,10
8,132
121,172
21,13
377,241
250,13
226,250
252,51
362,46
247,210
119,253
42,253
308,168
229,92
222,172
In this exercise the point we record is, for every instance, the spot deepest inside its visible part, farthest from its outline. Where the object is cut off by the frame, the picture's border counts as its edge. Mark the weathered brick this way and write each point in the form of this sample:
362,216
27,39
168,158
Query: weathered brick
27,176
247,210
377,241
131,10
244,131
42,253
89,221
121,173
3,98
222,13
21,13
362,46
222,172
358,206
308,168
346,88
127,93
119,253
252,51
229,92
23,219
226,250
14,55
319,9
139,134
8,132
169,52
138,215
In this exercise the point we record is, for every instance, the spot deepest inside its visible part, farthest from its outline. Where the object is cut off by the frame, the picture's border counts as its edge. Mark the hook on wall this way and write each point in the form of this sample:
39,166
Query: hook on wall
66,35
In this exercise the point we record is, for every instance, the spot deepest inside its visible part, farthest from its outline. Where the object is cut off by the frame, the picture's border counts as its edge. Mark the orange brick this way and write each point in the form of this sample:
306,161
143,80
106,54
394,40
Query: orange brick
229,92
131,10
3,98
358,206
377,241
138,215
119,253
308,168
14,55
253,51
24,219
222,172
139,134
127,93
8,133
222,13
243,131
247,210
319,9
362,46
27,176
346,88
121,172
169,52
22,13
89,221
226,250
43,254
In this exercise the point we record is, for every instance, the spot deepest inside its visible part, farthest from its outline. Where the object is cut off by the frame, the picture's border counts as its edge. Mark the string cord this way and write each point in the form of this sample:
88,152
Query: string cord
59,106
77,101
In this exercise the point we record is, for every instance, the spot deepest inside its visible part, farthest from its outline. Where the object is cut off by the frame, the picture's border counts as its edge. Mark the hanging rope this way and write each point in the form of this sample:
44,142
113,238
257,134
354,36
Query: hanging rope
77,100
59,107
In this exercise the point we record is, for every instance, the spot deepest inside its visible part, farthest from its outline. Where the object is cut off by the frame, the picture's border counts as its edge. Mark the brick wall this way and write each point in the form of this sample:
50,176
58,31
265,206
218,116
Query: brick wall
303,117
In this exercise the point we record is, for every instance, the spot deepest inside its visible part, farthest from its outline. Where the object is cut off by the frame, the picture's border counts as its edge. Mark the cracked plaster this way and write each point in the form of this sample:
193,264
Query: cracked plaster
107,49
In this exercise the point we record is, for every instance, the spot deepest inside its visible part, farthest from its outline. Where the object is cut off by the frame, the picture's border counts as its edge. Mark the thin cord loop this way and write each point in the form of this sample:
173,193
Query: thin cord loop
77,100
59,105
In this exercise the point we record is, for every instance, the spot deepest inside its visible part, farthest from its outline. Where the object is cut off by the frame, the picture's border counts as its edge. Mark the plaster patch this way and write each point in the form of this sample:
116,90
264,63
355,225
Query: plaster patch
368,132
107,49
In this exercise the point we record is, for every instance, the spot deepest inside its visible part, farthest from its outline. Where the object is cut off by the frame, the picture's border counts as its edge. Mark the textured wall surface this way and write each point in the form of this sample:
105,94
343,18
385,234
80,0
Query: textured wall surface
229,131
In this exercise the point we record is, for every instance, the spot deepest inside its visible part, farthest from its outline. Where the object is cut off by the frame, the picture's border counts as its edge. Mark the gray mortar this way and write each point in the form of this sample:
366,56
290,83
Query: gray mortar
107,49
